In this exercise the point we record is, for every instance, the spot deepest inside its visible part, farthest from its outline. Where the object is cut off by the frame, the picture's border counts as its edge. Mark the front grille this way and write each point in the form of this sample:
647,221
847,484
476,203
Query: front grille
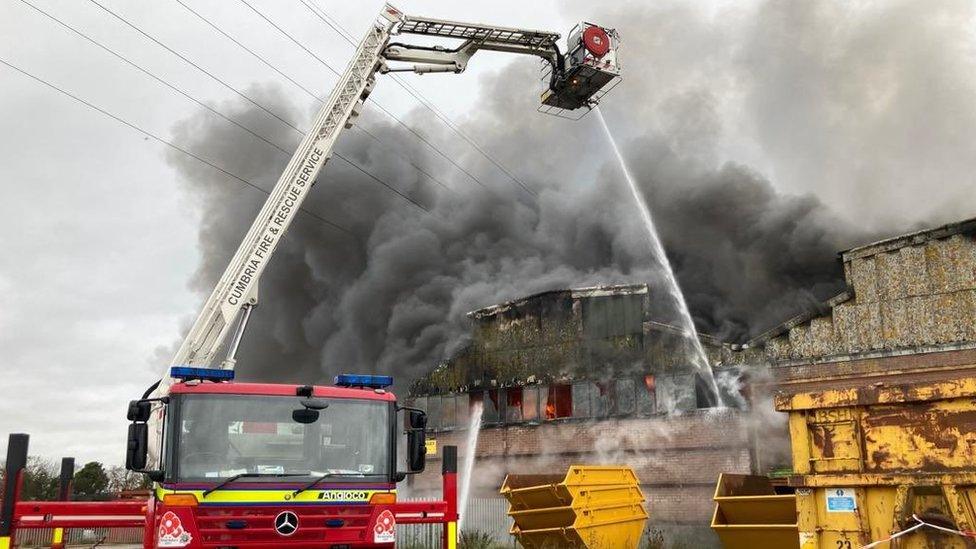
252,525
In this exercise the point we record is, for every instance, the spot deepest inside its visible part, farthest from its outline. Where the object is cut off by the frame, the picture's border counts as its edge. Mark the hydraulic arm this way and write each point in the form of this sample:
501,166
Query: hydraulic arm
569,87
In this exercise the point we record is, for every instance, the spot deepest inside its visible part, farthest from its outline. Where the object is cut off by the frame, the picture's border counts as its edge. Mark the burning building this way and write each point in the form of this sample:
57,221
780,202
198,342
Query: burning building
585,376
588,376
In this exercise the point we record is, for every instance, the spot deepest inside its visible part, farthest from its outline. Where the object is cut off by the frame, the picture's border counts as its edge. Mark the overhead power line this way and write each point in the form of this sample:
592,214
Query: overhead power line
336,72
429,105
164,141
285,33
419,169
250,100
308,92
386,111
427,142
147,72
268,64
450,123
191,63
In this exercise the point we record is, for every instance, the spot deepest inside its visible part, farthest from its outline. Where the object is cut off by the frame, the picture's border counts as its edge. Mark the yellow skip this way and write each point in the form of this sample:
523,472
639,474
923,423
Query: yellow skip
588,507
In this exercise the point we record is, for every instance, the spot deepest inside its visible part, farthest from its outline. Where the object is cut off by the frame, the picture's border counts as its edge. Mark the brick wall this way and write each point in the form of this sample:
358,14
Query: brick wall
677,458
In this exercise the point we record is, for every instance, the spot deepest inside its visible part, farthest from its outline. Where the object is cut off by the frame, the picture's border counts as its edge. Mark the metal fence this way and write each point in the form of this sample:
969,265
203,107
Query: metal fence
484,515
82,537
490,516
418,536
487,516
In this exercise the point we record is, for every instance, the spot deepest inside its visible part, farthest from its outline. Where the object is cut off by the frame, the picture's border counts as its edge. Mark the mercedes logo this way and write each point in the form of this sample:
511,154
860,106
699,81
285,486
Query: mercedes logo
286,523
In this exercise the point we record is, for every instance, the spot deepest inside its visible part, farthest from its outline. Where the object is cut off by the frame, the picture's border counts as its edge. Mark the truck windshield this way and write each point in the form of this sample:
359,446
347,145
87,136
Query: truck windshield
220,436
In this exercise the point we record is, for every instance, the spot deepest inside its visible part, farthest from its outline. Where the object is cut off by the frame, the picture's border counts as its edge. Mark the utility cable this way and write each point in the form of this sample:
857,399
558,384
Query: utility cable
164,141
285,33
247,49
451,124
308,92
148,73
334,25
377,104
262,107
419,169
427,142
191,63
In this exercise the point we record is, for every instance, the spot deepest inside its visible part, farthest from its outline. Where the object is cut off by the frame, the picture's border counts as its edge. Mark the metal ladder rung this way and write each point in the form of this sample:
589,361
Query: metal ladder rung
459,30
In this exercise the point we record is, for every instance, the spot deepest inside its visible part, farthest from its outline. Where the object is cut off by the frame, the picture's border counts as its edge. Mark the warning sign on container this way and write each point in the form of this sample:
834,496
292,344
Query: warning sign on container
841,500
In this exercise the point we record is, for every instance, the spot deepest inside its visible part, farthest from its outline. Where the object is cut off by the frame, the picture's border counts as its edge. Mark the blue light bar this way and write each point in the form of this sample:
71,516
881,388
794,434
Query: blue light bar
186,373
363,380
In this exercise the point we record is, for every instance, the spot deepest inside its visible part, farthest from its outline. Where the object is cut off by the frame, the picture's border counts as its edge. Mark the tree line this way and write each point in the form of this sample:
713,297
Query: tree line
92,482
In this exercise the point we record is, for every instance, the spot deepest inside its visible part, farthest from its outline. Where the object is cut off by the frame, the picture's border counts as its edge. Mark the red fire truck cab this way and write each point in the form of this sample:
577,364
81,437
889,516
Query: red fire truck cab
239,465
271,465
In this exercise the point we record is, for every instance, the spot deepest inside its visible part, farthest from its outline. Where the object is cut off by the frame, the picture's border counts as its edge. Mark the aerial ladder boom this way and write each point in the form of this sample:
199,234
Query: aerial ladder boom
476,37
236,292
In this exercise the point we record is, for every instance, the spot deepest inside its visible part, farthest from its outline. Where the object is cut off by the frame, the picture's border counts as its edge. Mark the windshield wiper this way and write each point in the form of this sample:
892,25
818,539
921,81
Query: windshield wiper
312,484
231,479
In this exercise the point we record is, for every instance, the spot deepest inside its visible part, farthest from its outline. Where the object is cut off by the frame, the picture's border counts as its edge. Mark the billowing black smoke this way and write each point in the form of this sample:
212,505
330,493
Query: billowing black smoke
390,294
747,256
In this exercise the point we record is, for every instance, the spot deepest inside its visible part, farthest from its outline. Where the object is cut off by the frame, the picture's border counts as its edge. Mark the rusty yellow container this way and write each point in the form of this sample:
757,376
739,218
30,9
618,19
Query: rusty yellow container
750,514
869,460
588,507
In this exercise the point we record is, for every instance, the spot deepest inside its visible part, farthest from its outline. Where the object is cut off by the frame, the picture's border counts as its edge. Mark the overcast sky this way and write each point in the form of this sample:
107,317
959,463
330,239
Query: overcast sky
102,240
101,233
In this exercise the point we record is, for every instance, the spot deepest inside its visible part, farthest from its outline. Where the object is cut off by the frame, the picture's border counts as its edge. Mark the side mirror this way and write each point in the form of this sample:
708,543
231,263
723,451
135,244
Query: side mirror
416,450
137,443
418,419
139,410
417,441
305,416
137,447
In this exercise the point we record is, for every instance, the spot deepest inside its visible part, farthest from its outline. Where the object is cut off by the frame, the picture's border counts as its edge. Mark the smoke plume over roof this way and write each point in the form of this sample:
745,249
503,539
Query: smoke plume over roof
765,137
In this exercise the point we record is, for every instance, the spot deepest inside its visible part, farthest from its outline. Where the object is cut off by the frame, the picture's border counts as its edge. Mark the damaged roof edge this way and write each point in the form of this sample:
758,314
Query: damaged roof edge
965,226
813,312
678,331
590,291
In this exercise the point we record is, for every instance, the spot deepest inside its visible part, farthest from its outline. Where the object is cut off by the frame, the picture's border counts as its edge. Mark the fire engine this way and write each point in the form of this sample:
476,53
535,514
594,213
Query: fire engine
260,465
256,464
276,465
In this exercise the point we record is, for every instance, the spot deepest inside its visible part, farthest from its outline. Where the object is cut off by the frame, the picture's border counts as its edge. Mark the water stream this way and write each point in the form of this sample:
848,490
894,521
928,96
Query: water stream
698,357
467,468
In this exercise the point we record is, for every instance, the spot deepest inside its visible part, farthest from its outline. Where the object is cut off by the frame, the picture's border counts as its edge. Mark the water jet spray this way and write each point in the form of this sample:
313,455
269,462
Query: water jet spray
699,359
